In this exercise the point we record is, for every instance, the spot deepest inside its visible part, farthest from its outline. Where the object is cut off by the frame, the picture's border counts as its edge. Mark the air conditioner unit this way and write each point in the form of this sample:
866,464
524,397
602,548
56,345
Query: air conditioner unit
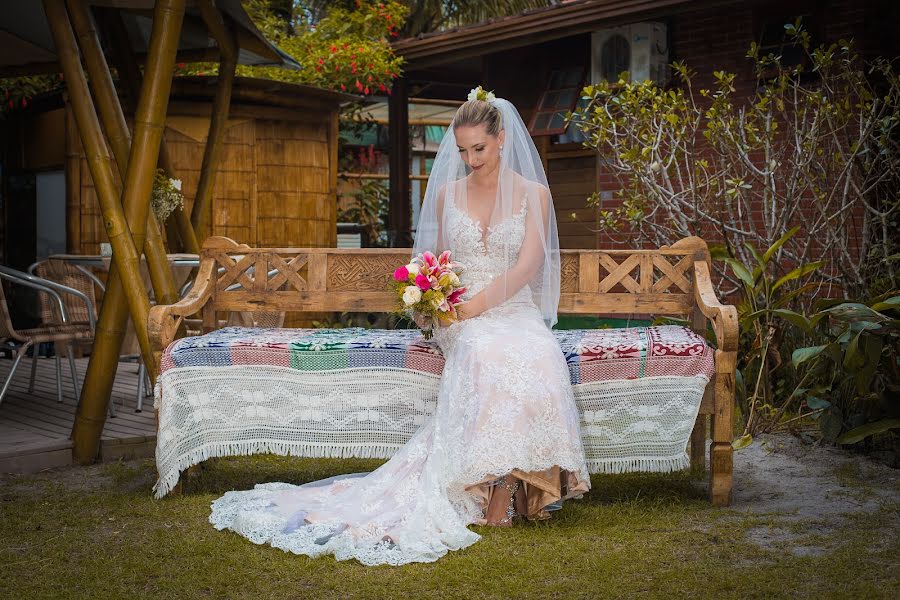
641,49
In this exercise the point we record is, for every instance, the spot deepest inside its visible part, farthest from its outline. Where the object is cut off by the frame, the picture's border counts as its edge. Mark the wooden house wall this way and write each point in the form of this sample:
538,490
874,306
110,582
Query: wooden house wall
275,187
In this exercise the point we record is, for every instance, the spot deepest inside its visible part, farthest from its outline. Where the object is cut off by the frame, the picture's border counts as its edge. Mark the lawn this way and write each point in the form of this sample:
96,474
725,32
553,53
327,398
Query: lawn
96,532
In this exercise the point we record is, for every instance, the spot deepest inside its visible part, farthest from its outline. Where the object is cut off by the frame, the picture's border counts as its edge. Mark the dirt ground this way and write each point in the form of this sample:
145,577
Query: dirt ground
819,486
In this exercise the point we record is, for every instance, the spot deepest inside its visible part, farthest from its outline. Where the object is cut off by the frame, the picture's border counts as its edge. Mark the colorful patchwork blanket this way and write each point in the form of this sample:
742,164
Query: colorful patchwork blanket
591,354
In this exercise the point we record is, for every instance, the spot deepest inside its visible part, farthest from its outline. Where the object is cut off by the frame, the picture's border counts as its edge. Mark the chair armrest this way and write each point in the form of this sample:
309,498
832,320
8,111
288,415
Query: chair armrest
165,319
42,285
724,318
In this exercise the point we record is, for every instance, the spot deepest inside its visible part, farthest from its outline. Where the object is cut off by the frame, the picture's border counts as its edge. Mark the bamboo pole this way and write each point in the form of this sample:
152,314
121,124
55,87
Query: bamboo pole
130,73
119,137
215,140
149,123
91,414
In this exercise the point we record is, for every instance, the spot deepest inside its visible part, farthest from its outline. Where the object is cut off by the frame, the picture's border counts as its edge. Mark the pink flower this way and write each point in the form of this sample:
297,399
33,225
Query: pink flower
444,258
423,282
429,259
401,274
453,298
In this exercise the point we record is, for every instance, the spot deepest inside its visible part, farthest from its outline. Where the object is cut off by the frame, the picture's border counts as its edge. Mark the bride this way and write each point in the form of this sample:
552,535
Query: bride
504,442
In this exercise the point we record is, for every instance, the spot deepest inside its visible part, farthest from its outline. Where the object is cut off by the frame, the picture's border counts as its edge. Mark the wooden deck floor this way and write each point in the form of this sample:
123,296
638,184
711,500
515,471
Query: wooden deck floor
35,428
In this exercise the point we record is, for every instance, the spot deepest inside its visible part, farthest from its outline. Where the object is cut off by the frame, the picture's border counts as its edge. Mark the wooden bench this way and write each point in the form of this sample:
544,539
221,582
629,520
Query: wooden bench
670,281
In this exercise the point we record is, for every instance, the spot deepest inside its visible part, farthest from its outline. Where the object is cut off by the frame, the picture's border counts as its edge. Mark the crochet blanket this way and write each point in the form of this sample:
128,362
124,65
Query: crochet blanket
363,393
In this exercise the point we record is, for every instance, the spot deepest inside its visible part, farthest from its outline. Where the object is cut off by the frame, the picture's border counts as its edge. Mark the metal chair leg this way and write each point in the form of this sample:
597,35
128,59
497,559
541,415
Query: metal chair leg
75,386
58,376
12,371
34,359
142,375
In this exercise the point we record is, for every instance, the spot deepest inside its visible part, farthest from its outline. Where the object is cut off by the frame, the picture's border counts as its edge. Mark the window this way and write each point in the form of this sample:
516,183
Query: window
773,38
560,97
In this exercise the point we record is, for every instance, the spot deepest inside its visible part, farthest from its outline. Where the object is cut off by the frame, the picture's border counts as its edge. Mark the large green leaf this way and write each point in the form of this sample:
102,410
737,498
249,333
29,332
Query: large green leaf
742,442
872,345
792,317
741,271
779,243
830,424
890,303
718,252
785,299
853,358
798,273
760,264
853,311
801,355
860,433
815,403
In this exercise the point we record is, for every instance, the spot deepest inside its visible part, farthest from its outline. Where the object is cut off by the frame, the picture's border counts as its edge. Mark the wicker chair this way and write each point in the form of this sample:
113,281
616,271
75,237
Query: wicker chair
60,329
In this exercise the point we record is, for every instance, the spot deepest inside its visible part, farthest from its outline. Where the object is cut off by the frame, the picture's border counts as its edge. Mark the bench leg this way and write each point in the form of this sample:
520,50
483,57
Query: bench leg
698,445
720,453
720,473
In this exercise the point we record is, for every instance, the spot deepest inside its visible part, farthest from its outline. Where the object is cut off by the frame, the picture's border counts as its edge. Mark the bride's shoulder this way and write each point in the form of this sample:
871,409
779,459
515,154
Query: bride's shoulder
533,189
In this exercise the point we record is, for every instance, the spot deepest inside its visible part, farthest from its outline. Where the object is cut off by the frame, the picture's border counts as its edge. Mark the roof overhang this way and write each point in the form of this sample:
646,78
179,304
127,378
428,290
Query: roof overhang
26,45
533,27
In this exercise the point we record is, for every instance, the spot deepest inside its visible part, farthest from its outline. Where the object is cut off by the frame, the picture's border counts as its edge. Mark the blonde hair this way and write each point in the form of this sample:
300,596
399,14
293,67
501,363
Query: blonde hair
479,112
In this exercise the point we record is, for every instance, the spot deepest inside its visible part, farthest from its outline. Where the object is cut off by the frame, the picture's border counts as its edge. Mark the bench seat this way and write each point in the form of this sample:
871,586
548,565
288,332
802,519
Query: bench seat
363,393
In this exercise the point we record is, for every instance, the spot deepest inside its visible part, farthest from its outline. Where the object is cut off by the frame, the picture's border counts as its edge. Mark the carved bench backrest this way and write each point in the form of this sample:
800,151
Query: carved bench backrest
658,282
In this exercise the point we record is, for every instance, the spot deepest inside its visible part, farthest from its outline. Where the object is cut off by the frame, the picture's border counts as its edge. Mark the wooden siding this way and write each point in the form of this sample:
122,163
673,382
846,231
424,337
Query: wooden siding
275,187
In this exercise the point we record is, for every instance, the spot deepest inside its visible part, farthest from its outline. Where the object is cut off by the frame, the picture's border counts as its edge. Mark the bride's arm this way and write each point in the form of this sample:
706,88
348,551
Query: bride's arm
531,257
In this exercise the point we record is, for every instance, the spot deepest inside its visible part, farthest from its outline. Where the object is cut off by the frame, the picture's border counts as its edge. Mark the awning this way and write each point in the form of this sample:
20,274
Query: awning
26,45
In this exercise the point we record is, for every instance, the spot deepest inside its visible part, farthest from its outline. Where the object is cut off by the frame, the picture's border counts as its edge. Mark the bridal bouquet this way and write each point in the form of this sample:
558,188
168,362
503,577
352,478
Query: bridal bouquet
428,289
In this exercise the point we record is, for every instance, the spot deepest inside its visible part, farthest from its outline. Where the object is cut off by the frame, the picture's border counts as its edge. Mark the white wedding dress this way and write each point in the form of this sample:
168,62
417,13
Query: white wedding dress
505,407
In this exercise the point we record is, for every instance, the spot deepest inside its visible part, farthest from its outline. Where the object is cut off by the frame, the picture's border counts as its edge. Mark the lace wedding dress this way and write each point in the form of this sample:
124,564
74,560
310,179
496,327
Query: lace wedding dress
505,407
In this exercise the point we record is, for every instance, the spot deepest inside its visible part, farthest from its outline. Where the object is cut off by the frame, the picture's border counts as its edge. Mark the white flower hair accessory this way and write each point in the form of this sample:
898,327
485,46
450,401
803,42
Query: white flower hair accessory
480,93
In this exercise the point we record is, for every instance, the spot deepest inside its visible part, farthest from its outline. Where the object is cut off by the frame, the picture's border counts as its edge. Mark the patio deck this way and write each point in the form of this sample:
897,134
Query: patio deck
35,428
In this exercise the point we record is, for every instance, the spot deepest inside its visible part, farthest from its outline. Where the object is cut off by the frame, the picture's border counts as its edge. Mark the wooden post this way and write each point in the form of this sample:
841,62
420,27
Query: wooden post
399,210
125,279
215,140
120,141
179,222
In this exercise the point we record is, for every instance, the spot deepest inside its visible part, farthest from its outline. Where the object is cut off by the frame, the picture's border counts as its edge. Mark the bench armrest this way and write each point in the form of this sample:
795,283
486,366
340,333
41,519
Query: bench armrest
165,319
724,318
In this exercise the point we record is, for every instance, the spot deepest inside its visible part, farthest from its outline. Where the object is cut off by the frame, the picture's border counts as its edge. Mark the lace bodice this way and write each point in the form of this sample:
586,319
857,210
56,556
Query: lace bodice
475,248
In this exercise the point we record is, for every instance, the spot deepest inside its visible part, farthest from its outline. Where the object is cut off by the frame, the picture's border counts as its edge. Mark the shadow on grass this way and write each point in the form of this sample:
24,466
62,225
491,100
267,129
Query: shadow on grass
218,476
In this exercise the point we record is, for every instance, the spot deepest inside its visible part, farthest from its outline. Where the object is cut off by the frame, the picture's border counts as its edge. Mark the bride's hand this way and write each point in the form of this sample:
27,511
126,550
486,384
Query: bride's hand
421,321
462,311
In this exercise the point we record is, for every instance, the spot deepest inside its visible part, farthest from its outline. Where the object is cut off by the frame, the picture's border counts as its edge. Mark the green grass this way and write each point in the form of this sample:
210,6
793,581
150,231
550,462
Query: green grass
97,533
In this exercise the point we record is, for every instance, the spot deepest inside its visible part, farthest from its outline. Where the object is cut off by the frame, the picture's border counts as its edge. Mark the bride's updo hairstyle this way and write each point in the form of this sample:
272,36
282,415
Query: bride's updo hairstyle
479,112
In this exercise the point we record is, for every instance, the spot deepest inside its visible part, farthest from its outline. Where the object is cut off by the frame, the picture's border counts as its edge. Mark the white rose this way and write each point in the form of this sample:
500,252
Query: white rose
454,279
176,183
413,268
411,295
473,94
491,97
